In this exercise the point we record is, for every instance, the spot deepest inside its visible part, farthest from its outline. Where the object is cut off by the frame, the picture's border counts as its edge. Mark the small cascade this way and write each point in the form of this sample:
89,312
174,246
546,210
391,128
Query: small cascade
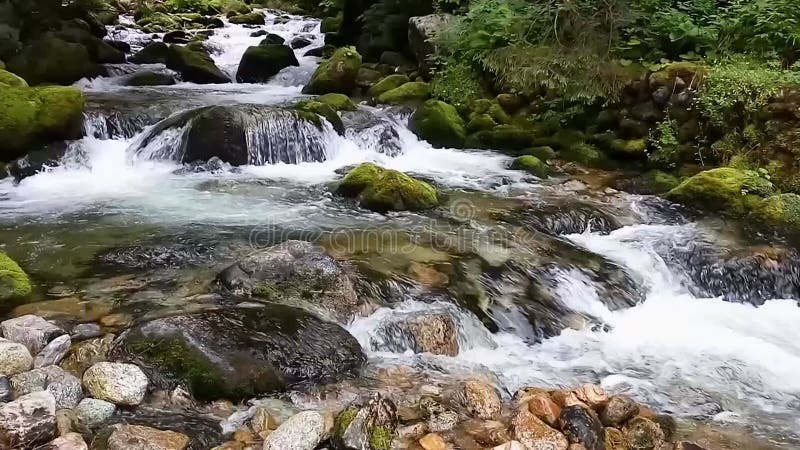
114,124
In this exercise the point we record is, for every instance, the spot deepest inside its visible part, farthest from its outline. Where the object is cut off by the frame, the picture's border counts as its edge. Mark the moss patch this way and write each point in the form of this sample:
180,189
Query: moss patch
14,282
253,18
339,102
380,438
411,91
312,110
440,124
724,189
383,190
337,74
387,84
544,152
531,164
343,420
582,153
781,209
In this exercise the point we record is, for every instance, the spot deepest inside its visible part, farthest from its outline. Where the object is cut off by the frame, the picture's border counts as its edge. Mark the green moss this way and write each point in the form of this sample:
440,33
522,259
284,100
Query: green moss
781,209
253,18
337,74
686,70
159,22
498,114
312,110
440,124
502,137
10,80
480,122
388,83
14,282
411,91
660,182
481,105
633,148
544,152
266,291
343,420
359,179
380,438
339,102
31,114
583,153
724,189
531,164
384,190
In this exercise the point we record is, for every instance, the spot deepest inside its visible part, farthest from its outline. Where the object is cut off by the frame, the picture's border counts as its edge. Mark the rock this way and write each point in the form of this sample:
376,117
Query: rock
253,18
618,410
643,434
322,110
31,331
511,445
532,165
263,421
137,437
53,352
8,79
69,441
302,41
581,426
122,46
261,63
99,50
259,33
421,332
330,24
118,383
297,273
338,102
535,434
85,354
372,427
481,400
28,421
319,52
150,79
502,137
85,331
413,91
92,412
272,39
14,358
433,441
152,53
439,123
382,190
487,432
194,66
725,189
668,425
438,418
176,37
388,83
52,60
545,409
615,440
5,390
782,210
592,395
29,116
241,352
422,32
337,74
65,387
9,41
684,445
303,431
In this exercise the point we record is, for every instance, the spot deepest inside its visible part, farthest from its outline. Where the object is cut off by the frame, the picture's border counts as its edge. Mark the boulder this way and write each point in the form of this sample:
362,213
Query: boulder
383,190
261,63
8,79
14,282
118,383
422,31
339,102
509,138
535,434
323,110
31,331
99,50
9,42
531,164
53,60
272,39
419,332
782,210
32,115
137,437
370,427
65,387
643,434
301,41
413,91
481,400
69,441
439,123
92,412
581,426
176,37
14,358
28,421
303,431
253,18
388,83
242,352
337,74
724,189
152,53
618,410
150,79
53,352
194,66
543,407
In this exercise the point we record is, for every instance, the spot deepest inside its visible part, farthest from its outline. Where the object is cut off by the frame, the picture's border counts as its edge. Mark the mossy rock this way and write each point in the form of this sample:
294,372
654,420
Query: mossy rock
14,282
779,210
337,74
342,421
688,71
544,152
531,164
583,153
159,22
253,18
480,122
8,79
30,115
499,114
388,83
629,149
439,123
339,102
52,60
502,137
383,190
152,53
319,109
725,189
380,437
194,66
412,91
660,182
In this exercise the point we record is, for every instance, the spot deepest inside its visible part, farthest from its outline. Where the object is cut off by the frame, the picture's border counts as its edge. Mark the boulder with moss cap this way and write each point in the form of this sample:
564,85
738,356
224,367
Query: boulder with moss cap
194,66
725,189
383,190
413,91
531,164
388,83
337,74
14,282
339,102
439,123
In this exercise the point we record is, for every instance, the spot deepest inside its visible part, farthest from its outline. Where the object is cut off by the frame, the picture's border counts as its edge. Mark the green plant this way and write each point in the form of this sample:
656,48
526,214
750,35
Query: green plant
664,141
763,27
457,82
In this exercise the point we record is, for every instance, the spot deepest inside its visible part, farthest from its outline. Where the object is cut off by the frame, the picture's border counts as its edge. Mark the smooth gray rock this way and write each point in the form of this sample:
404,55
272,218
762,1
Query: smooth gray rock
28,421
14,358
118,383
65,387
85,331
92,412
53,352
303,431
31,331
421,32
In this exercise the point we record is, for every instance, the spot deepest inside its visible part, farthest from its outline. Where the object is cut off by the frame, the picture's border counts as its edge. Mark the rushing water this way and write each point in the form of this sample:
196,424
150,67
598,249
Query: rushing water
695,357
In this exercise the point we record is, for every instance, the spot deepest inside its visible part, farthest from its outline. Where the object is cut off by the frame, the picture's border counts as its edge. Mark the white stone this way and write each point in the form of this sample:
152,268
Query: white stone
14,358
303,431
53,352
118,383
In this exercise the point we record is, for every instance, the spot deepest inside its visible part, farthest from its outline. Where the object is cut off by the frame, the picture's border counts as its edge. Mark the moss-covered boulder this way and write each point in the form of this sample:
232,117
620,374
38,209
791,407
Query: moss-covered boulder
660,182
100,51
339,102
373,426
493,109
194,66
8,79
502,137
629,149
439,123
388,83
41,114
725,189
480,122
14,282
53,60
260,63
780,210
532,165
544,152
383,190
240,353
253,18
337,74
318,109
584,154
152,53
412,91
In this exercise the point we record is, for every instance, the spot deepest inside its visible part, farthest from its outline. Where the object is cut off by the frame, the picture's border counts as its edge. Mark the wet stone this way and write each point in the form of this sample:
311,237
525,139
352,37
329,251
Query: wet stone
53,352
481,399
118,383
14,358
92,412
581,426
618,410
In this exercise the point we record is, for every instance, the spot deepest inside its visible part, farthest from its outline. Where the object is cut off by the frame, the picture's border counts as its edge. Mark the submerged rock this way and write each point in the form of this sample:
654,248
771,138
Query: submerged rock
383,190
297,273
260,63
337,74
422,333
240,353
